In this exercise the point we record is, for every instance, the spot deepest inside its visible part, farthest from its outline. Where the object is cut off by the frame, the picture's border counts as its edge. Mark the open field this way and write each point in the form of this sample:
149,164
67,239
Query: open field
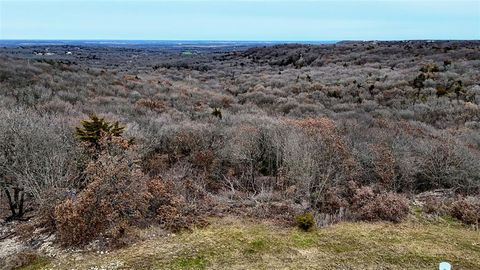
231,243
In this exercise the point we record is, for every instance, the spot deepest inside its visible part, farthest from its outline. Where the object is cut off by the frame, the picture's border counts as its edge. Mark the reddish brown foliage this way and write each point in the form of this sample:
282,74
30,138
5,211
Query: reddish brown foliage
333,200
154,105
384,165
163,205
385,206
115,197
467,210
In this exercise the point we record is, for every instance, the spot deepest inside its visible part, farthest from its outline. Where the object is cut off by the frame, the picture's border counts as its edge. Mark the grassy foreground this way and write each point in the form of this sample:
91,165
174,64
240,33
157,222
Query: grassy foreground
238,244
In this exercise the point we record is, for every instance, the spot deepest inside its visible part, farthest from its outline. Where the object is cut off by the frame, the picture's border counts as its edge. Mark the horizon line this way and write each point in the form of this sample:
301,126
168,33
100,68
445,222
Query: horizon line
240,40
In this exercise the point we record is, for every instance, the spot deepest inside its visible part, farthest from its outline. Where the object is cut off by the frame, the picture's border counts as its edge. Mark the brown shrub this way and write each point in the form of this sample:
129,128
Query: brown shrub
186,141
115,197
172,210
118,196
384,164
433,206
280,212
163,204
362,196
356,202
46,211
154,164
154,105
366,205
204,159
332,201
467,210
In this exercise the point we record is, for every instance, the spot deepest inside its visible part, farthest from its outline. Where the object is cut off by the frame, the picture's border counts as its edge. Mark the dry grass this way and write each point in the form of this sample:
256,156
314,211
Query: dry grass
230,243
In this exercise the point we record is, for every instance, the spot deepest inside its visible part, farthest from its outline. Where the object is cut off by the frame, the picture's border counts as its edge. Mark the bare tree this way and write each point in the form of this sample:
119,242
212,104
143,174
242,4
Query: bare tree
36,157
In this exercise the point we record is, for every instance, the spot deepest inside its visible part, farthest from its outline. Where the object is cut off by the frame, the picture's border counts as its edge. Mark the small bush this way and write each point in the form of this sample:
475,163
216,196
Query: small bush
305,221
371,206
387,206
433,206
164,205
361,197
332,201
467,210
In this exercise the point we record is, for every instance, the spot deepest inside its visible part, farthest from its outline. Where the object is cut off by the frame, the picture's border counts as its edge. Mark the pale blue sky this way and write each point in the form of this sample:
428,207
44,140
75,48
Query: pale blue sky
240,20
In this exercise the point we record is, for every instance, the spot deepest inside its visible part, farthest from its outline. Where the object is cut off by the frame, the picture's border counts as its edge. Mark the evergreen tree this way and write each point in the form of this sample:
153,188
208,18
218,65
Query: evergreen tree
95,128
